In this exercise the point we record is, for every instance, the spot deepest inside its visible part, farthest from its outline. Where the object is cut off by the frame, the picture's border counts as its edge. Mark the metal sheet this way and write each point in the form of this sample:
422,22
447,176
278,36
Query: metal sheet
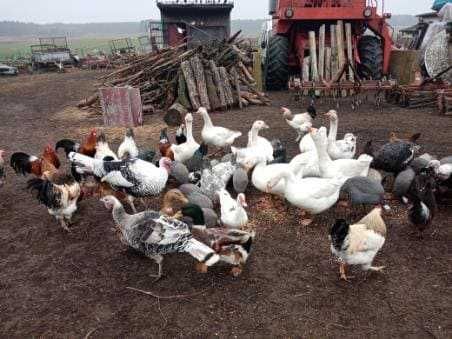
121,106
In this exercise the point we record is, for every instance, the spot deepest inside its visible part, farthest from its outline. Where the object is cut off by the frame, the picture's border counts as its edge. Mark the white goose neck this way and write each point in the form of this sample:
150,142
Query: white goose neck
333,130
207,120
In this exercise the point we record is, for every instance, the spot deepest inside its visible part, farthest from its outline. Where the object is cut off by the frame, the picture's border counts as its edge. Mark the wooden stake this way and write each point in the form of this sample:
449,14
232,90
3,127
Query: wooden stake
313,54
257,71
340,49
198,71
235,76
333,39
348,36
322,52
327,63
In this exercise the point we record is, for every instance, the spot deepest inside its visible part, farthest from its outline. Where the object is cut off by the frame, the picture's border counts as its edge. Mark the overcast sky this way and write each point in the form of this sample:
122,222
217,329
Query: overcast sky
76,11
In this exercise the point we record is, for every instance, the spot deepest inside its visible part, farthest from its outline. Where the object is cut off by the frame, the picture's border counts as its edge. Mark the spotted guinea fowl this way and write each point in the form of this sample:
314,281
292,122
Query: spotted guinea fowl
394,156
421,195
233,246
137,178
364,191
240,180
155,235
358,244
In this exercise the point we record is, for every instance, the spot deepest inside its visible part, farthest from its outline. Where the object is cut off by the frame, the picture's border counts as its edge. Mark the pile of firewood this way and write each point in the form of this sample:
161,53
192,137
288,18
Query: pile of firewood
215,76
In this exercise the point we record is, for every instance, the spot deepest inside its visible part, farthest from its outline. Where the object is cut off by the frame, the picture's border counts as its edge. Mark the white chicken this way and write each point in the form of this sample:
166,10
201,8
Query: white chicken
128,148
103,150
358,244
233,213
299,121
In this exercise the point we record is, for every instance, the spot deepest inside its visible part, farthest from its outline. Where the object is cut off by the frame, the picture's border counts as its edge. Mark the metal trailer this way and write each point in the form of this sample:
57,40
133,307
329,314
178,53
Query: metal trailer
50,53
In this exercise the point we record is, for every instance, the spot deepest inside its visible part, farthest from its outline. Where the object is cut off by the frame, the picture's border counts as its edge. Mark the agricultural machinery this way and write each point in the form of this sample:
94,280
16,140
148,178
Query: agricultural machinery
286,44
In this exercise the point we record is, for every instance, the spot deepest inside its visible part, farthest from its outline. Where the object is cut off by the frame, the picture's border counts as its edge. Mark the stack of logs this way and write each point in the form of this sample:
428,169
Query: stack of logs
215,76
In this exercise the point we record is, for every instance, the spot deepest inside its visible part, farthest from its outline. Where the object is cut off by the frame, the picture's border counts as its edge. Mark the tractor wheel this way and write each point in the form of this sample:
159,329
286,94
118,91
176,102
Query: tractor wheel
277,63
371,55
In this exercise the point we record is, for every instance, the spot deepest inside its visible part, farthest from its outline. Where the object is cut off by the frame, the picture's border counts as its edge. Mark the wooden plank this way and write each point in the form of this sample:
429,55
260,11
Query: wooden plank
305,74
198,70
121,106
340,43
322,52
218,83
235,76
191,84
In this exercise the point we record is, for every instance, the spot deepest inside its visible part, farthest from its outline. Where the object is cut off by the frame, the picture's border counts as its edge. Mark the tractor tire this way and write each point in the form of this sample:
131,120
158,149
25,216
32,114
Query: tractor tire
277,63
371,55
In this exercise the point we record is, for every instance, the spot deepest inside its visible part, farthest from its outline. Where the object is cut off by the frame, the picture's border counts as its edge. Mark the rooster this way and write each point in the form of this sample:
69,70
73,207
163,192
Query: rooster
24,164
165,145
2,168
103,150
88,148
60,196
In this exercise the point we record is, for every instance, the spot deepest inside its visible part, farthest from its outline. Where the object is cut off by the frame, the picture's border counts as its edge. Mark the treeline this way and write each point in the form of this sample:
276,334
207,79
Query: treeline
251,28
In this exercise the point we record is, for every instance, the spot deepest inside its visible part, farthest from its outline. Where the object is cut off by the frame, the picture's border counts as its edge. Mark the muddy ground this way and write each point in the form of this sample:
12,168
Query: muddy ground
55,284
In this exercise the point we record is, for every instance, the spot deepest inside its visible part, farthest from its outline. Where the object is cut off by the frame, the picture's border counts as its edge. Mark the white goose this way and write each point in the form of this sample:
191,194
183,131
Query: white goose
258,148
313,195
339,149
186,150
347,168
215,135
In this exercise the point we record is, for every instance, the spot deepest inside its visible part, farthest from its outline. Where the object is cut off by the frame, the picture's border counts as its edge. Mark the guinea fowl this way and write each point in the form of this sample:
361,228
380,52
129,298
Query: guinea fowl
155,235
135,177
422,198
60,196
394,156
240,180
2,168
298,121
358,244
233,246
198,161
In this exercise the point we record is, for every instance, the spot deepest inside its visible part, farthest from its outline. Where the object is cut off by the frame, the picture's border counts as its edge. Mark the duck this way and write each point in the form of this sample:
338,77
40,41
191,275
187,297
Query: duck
233,213
339,149
232,245
422,200
173,202
347,168
359,243
185,151
215,135
299,121
156,235
313,195
128,149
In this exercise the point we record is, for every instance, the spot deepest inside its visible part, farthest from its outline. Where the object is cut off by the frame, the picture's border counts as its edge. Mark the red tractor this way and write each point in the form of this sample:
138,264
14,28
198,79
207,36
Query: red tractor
287,44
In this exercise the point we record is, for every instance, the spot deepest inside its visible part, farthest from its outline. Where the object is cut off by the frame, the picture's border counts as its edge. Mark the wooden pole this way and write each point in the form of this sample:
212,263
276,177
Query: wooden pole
257,71
327,63
227,86
340,49
322,52
333,49
348,37
313,54
305,73
219,84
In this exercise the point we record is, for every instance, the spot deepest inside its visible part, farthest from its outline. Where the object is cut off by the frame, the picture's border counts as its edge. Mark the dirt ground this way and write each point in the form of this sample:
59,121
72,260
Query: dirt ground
55,284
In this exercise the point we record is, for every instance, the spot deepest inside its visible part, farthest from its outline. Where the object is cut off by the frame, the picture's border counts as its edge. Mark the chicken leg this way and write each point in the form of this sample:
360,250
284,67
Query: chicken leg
342,267
159,261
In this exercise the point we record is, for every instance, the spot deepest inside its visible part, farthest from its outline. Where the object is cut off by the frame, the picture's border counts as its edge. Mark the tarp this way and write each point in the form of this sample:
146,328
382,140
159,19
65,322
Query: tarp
438,4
